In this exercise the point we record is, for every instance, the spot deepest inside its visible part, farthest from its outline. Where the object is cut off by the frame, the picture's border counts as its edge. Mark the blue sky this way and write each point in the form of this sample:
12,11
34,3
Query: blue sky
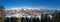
31,3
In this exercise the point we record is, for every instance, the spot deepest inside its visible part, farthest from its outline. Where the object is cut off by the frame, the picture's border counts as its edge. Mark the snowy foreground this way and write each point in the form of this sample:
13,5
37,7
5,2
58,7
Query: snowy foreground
27,12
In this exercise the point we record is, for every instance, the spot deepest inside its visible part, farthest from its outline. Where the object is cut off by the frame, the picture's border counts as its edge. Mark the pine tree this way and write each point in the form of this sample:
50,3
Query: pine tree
57,16
2,14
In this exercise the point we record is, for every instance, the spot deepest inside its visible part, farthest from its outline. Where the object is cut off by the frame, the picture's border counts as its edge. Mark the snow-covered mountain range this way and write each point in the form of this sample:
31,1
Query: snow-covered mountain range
26,12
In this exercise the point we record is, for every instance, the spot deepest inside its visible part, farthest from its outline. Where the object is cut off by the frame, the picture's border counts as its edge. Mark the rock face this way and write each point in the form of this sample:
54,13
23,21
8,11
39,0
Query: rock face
26,12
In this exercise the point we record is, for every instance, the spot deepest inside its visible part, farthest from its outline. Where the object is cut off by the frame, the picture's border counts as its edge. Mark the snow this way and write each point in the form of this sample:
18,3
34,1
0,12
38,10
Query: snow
24,12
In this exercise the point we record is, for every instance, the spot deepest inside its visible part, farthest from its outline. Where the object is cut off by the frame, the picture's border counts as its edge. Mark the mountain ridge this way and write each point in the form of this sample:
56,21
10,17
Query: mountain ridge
19,12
